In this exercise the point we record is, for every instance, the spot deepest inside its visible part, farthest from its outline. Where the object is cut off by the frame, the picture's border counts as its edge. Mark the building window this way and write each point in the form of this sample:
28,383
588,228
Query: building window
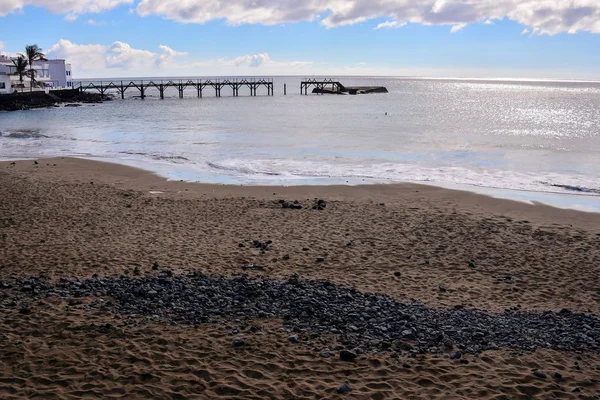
2,85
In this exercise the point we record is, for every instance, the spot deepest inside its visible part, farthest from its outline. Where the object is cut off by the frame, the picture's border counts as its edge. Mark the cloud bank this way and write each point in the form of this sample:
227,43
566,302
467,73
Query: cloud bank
541,16
120,59
119,55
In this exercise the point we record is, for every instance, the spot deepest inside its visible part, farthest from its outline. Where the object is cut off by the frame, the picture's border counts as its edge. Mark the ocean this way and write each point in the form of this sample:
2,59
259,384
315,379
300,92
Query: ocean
516,139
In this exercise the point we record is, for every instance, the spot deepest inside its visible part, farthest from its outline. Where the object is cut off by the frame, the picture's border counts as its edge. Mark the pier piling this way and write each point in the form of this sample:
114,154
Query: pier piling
161,86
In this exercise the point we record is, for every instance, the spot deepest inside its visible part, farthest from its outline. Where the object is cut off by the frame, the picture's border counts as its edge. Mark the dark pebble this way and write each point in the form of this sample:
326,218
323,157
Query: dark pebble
456,355
345,388
539,374
238,342
558,376
347,355
293,339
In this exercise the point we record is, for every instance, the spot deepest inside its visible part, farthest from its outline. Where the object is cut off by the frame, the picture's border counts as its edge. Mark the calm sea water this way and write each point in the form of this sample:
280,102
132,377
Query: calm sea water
535,137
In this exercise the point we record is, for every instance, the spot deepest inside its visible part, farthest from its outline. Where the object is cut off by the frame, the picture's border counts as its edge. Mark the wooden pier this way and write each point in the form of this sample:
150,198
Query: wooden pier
200,86
321,85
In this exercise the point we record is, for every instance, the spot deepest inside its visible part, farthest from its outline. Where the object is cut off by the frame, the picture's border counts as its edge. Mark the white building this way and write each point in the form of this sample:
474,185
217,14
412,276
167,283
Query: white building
49,74
5,83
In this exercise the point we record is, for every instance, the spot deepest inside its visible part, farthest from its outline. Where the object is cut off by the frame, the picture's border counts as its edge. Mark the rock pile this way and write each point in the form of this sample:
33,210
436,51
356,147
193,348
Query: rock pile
363,321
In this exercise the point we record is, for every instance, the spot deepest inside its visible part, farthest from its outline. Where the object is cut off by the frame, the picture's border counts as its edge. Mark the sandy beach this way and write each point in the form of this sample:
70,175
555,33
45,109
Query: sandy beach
73,218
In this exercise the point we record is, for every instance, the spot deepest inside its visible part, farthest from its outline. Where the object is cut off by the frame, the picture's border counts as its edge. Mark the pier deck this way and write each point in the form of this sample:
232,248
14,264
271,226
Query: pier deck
200,85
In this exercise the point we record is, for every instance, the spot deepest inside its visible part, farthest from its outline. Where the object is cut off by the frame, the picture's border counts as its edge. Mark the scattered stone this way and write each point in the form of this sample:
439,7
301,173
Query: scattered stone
293,339
238,342
575,390
136,271
155,266
320,205
349,243
286,257
442,288
539,374
253,268
558,376
456,355
397,274
326,354
345,388
259,245
347,355
407,334
305,249
25,310
320,259
35,163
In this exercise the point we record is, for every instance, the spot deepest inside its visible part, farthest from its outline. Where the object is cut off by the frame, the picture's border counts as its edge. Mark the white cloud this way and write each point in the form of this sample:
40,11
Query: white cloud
525,31
545,16
92,58
391,24
252,61
549,16
489,22
457,28
72,8
96,23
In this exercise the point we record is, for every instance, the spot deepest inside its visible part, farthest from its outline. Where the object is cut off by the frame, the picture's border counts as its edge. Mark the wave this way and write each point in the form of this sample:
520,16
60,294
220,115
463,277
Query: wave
23,134
240,169
341,172
573,188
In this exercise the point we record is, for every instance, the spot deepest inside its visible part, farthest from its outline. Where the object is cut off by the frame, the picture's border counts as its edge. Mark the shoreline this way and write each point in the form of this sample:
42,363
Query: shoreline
137,252
583,202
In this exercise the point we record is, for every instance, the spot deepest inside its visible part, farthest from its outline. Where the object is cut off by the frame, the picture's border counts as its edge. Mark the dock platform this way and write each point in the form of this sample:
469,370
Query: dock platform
199,85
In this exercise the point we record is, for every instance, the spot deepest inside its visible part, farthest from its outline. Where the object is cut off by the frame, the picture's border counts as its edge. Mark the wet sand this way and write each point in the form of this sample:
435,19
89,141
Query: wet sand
70,217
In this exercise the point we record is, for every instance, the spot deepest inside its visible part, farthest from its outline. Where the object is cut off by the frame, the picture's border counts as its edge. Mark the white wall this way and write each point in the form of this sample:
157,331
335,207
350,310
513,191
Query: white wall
5,84
60,73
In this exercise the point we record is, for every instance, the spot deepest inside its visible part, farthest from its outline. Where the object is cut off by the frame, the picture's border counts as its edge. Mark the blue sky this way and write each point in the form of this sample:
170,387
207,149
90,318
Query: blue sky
453,38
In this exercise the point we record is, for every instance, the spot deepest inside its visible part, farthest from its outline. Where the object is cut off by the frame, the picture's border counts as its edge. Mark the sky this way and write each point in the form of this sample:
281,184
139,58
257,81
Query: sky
530,39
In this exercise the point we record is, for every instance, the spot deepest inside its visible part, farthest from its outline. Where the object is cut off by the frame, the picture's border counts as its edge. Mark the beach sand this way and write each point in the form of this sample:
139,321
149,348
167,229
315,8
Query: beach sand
70,217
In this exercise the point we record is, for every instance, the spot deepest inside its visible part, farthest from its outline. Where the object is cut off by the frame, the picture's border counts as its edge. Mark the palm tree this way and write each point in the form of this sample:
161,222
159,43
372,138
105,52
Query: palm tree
21,68
33,53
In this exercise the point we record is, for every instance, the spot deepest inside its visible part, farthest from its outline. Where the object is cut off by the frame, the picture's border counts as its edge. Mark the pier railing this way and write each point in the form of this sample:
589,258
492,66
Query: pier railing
199,85
321,84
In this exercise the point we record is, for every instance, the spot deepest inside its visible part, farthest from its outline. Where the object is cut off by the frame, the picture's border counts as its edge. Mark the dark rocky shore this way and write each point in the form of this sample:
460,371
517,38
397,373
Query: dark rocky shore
311,309
27,101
